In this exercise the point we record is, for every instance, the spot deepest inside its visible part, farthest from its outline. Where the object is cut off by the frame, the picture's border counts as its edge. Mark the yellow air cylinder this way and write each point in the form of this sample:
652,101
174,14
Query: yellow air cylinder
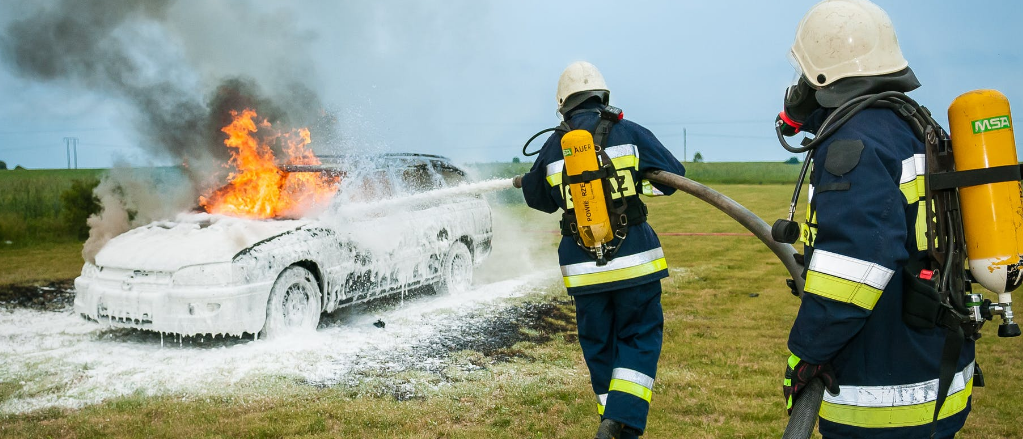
587,197
981,130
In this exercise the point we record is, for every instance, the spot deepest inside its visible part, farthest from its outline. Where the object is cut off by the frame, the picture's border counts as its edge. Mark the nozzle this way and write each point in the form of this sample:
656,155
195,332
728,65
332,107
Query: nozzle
517,182
1008,330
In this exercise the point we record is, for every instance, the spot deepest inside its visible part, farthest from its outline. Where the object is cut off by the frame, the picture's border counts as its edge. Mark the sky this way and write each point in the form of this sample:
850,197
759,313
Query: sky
473,80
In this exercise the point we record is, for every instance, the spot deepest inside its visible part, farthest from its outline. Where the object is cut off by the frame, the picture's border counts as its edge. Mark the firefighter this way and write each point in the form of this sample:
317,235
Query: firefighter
618,304
863,235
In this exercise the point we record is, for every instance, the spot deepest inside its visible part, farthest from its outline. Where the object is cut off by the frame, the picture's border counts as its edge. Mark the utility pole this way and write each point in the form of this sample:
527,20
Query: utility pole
71,145
684,152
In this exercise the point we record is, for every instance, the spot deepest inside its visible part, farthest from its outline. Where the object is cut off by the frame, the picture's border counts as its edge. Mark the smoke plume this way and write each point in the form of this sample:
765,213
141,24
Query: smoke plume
157,57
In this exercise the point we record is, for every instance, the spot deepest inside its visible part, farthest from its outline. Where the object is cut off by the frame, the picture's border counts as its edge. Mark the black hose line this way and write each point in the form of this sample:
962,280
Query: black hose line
527,154
805,409
785,252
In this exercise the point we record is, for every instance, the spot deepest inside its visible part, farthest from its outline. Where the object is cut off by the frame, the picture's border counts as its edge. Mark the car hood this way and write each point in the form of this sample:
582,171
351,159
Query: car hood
190,239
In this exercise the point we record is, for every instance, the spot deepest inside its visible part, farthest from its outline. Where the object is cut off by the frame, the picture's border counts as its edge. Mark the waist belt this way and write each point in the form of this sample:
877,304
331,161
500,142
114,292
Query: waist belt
635,214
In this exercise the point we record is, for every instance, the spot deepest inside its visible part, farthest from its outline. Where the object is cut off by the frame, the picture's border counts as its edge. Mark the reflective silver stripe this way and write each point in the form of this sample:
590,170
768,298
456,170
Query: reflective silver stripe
853,269
612,152
913,167
632,376
602,399
622,151
555,167
898,396
908,170
615,264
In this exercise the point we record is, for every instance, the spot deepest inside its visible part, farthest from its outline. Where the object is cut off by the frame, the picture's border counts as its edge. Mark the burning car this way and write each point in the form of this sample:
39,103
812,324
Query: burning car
207,273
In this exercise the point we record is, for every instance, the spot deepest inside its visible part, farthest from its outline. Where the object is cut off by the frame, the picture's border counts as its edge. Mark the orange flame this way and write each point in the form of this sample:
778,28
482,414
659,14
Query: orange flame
259,188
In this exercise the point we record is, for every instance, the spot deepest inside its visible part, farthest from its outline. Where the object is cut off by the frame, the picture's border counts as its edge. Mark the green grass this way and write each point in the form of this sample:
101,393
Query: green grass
719,374
30,204
707,173
743,173
40,262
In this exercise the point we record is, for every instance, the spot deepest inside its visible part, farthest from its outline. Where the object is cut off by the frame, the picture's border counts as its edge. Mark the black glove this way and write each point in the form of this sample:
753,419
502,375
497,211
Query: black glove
798,375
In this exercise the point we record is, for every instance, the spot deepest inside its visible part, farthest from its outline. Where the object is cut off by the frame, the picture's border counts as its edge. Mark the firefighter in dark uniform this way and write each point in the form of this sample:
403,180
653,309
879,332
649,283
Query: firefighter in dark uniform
865,225
618,305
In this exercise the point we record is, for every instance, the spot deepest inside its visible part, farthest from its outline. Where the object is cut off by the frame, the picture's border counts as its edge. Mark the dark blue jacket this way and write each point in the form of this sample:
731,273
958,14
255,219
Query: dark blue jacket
864,222
634,150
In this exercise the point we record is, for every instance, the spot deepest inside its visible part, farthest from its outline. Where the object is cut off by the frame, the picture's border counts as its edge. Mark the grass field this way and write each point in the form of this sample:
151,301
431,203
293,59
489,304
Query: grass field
707,173
727,315
30,204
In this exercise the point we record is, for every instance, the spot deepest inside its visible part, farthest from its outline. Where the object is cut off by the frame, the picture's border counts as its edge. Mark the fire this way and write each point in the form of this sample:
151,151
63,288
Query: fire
258,188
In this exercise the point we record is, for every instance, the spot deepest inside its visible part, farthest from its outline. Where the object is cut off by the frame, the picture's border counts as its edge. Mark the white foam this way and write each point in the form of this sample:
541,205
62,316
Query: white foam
60,360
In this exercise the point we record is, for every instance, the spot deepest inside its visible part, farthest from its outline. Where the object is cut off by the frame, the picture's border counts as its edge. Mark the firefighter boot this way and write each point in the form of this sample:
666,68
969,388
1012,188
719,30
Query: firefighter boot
609,429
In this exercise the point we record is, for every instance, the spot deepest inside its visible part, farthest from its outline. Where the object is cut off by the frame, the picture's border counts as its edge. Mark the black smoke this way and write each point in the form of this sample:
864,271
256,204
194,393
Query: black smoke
129,50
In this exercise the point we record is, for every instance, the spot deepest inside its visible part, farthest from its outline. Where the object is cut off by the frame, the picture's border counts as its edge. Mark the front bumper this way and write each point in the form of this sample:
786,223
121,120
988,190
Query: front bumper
232,309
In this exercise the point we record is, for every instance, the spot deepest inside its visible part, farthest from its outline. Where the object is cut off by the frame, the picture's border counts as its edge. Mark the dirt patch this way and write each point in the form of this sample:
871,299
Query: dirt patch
54,296
495,336
459,344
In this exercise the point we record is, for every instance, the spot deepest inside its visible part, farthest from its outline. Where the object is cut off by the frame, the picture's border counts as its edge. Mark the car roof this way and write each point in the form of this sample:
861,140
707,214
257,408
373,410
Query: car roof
387,160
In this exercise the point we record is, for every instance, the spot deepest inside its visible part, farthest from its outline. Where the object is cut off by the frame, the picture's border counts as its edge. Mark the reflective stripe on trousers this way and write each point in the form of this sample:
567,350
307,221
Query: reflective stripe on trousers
632,382
896,406
620,268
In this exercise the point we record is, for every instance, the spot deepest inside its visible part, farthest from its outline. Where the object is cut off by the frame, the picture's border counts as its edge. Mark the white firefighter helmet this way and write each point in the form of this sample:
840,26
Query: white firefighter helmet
842,38
581,76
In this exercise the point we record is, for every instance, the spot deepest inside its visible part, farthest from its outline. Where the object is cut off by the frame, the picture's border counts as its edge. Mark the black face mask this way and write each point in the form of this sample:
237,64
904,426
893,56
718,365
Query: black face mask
800,102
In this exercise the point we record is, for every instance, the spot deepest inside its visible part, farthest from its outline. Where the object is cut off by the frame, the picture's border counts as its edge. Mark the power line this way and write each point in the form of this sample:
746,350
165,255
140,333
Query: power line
61,130
25,148
714,122
106,145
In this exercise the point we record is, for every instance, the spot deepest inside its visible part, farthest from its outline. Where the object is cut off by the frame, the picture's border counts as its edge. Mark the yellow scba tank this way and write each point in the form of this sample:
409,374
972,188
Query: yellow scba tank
981,130
588,196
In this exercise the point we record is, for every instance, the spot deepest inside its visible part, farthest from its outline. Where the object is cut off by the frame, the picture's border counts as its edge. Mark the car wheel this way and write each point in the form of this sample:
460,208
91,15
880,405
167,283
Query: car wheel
456,272
294,303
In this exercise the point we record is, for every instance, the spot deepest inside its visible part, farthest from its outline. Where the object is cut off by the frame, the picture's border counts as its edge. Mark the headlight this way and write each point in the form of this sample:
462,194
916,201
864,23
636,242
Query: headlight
205,274
89,270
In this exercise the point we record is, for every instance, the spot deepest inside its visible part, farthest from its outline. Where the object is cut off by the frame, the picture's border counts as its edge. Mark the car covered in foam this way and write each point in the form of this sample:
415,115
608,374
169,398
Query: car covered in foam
213,274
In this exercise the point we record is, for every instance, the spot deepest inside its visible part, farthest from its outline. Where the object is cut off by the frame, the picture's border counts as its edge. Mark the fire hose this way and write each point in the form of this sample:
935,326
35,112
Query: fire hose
785,252
807,406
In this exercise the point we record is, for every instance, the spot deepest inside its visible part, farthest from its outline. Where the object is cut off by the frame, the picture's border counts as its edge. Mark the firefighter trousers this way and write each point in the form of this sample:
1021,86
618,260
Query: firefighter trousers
620,332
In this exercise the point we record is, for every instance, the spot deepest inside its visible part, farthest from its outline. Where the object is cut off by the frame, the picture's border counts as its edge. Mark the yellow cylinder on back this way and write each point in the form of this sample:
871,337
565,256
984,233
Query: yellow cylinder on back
982,137
587,197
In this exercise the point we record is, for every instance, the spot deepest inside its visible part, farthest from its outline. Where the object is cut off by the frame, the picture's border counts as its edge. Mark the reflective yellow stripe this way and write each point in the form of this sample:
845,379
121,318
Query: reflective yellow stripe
626,161
909,190
650,190
903,416
600,409
921,226
582,280
842,290
632,389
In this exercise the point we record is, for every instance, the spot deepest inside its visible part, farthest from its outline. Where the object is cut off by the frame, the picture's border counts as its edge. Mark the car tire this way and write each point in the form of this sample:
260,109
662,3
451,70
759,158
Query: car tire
294,303
456,271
